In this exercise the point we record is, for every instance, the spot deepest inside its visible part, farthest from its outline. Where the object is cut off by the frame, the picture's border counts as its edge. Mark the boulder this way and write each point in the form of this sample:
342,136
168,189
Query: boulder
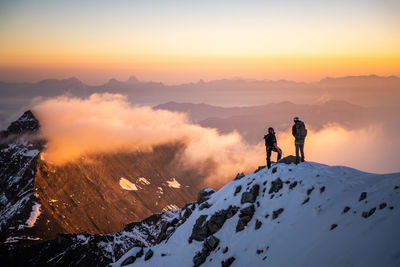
227,262
363,196
237,189
129,260
239,176
288,160
276,213
250,196
148,255
204,195
199,231
211,243
276,185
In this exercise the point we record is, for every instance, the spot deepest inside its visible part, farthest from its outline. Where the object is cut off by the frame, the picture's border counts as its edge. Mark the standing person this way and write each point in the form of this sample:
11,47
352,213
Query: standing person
299,132
271,145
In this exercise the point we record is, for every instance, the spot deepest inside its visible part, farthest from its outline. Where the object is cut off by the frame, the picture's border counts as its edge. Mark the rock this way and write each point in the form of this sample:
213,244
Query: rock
391,207
276,185
363,196
305,200
250,197
216,221
369,213
239,176
139,253
211,243
187,213
259,169
333,226
129,260
274,169
288,160
293,185
199,231
237,189
258,224
204,205
346,209
259,251
322,189
382,205
200,257
396,187
227,262
225,250
245,216
148,255
202,228
309,191
276,213
204,195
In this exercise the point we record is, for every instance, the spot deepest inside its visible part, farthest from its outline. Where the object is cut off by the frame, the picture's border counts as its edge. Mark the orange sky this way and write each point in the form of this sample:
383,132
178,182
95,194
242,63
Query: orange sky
182,42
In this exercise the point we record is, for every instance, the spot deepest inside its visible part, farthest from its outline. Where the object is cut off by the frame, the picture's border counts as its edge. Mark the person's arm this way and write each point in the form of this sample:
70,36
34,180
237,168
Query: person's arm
294,130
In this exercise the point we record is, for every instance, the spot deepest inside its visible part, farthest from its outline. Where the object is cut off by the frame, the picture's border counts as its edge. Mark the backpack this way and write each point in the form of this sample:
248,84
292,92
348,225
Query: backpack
301,131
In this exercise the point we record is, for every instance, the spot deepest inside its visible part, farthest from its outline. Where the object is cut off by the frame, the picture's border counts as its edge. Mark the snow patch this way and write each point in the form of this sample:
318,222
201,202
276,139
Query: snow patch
34,215
127,185
174,183
143,180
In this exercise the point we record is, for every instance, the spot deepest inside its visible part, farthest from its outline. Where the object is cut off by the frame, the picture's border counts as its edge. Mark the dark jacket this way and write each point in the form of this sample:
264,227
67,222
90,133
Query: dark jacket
299,140
270,141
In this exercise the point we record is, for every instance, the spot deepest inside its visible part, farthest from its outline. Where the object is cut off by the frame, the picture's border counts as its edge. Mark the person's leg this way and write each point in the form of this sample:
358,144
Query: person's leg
268,158
279,156
297,153
302,152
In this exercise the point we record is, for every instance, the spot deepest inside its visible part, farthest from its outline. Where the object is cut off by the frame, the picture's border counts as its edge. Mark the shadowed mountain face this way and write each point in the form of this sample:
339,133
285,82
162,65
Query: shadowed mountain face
96,194
103,193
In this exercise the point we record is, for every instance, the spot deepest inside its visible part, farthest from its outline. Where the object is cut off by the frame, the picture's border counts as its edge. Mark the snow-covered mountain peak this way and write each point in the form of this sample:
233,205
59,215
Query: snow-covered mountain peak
290,215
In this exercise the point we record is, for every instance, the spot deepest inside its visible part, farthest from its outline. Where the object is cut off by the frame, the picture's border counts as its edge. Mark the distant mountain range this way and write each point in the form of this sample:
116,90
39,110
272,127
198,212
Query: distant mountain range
362,90
252,122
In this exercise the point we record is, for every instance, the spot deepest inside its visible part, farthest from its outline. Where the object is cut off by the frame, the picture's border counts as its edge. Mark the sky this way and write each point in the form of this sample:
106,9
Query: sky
179,41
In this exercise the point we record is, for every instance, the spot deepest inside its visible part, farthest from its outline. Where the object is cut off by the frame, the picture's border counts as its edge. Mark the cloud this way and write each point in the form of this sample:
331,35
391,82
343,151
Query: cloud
107,123
370,149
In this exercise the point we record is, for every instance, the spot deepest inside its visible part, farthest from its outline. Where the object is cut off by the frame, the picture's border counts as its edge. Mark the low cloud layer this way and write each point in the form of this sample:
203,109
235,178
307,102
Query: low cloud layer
107,123
370,149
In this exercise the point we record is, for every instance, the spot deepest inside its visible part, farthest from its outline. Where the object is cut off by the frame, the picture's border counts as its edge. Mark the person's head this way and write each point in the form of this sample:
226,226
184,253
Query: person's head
271,130
296,119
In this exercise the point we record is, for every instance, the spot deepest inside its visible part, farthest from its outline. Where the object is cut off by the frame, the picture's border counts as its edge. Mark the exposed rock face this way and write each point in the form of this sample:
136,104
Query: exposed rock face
90,250
19,205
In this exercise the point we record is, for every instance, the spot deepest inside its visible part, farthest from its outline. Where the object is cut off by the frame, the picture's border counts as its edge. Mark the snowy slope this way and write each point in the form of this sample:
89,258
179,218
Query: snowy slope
318,216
